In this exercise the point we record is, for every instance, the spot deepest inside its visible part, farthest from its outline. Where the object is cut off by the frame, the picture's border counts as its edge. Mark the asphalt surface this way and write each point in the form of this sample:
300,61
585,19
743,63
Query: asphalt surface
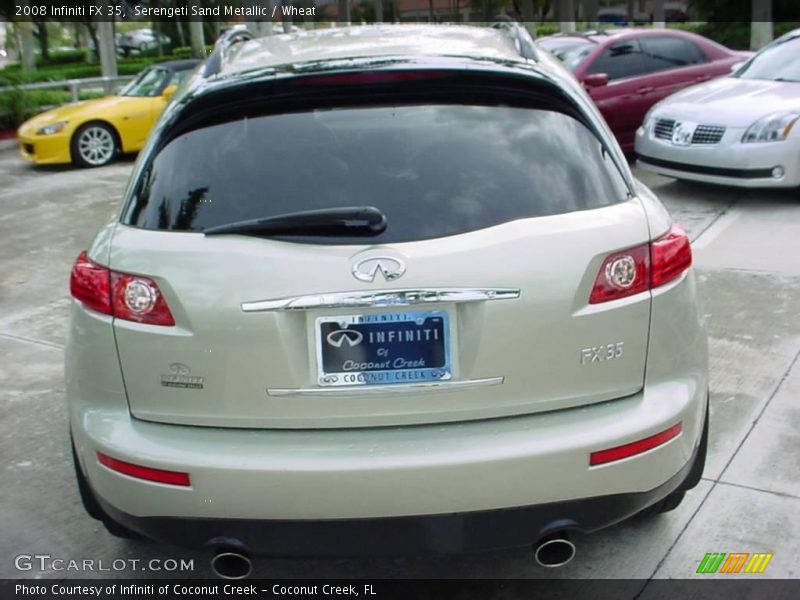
746,244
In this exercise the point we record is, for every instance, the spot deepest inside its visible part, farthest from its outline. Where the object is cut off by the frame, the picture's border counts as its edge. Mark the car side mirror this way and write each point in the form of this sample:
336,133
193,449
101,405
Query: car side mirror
169,91
736,66
595,80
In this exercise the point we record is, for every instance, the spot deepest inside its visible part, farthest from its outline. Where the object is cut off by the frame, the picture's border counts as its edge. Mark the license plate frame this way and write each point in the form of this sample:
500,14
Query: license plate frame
341,336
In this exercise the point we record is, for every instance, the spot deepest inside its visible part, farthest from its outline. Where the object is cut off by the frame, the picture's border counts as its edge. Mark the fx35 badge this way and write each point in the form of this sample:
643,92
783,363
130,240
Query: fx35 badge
602,353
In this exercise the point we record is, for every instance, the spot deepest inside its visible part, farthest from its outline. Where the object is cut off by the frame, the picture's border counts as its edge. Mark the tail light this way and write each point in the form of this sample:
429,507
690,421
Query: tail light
90,284
121,295
670,256
137,298
642,268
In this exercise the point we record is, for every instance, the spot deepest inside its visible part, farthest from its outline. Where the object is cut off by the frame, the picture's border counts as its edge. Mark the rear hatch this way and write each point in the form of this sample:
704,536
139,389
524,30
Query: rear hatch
472,303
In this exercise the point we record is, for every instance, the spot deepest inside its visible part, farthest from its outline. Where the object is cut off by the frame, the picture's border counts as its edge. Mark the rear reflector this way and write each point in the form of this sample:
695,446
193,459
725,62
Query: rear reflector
619,452
157,475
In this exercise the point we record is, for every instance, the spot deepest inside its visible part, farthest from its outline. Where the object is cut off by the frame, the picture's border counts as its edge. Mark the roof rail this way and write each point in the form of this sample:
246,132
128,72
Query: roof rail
523,41
233,36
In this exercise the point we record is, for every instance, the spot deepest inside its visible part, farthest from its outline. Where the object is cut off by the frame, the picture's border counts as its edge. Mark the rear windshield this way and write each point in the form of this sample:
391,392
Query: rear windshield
433,170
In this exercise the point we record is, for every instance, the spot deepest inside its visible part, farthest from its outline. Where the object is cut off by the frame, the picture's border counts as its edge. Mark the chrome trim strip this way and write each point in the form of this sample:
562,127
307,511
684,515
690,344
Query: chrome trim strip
392,388
403,297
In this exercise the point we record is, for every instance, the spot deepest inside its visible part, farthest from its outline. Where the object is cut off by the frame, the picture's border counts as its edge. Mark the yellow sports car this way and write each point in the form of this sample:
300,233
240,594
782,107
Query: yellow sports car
93,132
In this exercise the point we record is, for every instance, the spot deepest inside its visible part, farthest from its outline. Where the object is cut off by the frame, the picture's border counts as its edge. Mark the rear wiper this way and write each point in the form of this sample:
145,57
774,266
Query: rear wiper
346,220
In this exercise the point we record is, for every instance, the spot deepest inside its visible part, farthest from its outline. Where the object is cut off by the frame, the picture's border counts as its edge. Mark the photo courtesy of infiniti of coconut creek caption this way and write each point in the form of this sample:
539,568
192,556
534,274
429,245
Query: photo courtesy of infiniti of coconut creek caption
399,295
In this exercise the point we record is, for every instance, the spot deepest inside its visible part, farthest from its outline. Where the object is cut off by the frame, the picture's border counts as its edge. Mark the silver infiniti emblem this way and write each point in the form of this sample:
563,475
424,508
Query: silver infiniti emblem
391,268
340,336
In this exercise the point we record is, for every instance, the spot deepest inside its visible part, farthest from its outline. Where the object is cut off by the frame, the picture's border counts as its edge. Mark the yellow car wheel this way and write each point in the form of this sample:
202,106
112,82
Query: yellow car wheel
94,145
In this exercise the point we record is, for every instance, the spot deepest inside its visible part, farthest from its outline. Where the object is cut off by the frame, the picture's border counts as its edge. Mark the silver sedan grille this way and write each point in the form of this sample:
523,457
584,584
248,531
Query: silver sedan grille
708,134
704,134
663,129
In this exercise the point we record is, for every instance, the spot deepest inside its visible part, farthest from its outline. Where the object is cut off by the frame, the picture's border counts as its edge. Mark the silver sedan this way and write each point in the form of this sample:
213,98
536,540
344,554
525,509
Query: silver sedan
740,130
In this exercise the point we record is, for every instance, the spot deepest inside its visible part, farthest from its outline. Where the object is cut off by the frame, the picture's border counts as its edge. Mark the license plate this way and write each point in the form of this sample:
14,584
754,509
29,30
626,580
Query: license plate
383,348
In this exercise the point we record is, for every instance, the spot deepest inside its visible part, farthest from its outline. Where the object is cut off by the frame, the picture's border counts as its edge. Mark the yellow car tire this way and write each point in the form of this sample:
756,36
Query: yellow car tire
94,144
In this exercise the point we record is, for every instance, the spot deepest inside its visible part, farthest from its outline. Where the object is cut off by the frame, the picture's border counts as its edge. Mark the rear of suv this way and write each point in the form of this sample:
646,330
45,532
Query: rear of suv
383,289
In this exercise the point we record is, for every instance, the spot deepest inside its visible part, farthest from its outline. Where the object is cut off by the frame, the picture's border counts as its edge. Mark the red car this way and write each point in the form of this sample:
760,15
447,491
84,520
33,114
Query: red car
626,71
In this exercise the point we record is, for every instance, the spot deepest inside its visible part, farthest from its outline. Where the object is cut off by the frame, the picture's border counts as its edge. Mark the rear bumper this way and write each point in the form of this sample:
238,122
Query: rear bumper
270,488
429,534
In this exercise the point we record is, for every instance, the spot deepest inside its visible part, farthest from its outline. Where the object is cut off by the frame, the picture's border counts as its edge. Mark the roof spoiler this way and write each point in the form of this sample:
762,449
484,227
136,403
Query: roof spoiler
523,41
233,36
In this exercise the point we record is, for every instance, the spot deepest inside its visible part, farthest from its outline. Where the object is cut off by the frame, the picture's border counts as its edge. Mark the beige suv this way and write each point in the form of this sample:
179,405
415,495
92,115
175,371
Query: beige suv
383,289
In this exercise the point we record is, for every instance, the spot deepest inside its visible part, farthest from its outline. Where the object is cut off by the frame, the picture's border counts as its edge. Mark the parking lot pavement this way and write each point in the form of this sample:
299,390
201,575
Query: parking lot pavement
746,247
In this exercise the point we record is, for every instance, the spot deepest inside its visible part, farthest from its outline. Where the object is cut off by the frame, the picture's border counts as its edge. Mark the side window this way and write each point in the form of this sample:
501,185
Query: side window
178,77
153,82
624,59
671,52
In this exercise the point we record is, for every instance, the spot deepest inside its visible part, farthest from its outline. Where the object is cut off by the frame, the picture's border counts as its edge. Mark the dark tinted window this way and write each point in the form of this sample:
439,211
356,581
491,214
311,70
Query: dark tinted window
624,59
671,52
433,170
571,51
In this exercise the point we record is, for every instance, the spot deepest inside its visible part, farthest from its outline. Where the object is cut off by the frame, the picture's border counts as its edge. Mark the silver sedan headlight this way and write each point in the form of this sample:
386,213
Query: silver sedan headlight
648,118
52,128
772,128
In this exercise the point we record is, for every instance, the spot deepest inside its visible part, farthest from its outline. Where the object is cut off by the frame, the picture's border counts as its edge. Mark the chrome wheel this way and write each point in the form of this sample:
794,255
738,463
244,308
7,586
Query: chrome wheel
96,145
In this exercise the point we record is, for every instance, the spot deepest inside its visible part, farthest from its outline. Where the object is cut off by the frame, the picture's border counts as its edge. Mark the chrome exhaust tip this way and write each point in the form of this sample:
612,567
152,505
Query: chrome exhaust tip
554,551
230,564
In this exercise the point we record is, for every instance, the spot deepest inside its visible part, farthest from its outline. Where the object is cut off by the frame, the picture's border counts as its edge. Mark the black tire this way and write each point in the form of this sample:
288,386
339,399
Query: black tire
95,144
87,497
674,500
93,507
700,459
669,503
119,531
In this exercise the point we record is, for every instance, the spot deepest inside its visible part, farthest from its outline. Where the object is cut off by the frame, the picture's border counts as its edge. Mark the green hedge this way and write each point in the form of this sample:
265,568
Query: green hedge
66,57
547,29
183,52
17,105
75,71
166,49
63,57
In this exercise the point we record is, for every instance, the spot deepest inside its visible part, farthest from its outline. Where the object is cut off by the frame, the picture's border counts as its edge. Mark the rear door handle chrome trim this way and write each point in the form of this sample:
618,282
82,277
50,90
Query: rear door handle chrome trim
374,298
400,388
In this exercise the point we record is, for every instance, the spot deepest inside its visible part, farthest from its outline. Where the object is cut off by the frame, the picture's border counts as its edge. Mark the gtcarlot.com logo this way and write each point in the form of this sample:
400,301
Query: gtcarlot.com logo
46,562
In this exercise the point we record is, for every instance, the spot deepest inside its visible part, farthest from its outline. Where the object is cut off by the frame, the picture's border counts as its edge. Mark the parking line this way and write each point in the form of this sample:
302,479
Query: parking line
716,228
22,338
